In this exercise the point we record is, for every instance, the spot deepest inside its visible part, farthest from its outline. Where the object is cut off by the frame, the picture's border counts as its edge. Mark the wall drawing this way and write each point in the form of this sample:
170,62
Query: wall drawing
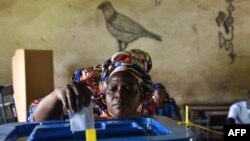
124,29
226,36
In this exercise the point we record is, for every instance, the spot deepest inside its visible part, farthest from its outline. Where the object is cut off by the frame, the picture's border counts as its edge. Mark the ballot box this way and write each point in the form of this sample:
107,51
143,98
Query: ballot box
113,129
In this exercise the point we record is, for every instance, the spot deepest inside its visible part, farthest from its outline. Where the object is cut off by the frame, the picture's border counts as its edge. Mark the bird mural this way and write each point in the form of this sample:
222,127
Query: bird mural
124,29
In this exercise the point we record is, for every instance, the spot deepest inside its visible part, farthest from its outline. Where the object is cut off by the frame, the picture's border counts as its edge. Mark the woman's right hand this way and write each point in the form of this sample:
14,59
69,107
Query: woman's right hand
73,96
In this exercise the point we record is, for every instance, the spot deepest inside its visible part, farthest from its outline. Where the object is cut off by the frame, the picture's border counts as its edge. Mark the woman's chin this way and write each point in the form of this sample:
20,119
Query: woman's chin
119,113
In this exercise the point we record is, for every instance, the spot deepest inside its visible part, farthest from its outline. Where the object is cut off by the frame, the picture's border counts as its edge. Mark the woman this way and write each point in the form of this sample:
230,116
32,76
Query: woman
161,103
117,87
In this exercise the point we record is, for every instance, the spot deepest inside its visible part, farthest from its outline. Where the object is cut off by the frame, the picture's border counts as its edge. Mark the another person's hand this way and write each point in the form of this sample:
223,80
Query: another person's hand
73,96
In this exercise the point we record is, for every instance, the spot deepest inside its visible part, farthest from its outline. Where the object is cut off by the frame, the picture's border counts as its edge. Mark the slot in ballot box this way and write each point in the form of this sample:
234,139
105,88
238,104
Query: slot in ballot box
113,129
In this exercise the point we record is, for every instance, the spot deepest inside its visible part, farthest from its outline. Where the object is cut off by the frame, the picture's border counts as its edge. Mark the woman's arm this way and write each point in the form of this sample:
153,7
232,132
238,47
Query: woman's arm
49,108
68,98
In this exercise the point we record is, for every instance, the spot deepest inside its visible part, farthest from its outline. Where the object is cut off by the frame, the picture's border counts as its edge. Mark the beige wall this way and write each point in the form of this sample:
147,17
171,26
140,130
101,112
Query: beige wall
188,60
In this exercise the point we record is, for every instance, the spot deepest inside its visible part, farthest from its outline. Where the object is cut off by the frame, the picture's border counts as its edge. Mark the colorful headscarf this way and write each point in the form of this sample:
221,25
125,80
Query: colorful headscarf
136,62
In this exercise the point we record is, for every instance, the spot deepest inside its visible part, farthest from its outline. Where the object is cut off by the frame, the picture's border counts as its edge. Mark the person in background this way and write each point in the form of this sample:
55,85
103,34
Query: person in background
239,112
117,88
162,103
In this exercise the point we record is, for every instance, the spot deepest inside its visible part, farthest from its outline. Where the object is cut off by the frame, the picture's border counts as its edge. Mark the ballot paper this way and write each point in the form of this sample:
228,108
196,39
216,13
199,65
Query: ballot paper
82,120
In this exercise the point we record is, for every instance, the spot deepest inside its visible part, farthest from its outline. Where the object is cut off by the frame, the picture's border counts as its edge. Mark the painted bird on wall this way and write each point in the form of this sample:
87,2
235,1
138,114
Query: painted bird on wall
124,29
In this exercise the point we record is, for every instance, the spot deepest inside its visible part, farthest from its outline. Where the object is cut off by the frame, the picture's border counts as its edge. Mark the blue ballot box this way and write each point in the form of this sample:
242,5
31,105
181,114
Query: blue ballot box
113,129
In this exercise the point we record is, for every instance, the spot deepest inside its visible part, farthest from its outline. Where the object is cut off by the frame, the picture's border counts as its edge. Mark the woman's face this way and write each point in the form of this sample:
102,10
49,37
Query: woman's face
159,96
123,95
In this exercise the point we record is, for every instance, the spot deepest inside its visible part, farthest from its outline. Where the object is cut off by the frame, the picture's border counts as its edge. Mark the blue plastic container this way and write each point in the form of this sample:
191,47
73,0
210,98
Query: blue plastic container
123,129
